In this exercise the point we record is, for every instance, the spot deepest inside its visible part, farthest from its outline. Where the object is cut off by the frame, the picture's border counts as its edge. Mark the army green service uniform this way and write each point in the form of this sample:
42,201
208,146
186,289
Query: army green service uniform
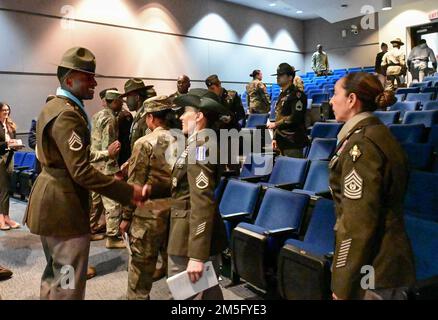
151,163
104,132
197,231
290,117
368,181
231,100
258,99
59,207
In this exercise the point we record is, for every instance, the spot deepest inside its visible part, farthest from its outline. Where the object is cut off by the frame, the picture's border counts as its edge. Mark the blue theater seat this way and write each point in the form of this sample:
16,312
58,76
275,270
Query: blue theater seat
319,97
407,90
421,196
317,180
421,97
257,165
427,118
325,130
388,117
405,106
255,246
304,266
430,105
238,203
420,155
322,149
411,133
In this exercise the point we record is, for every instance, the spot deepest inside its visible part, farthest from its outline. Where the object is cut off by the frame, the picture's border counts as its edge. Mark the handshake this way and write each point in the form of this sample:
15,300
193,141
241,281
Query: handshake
140,194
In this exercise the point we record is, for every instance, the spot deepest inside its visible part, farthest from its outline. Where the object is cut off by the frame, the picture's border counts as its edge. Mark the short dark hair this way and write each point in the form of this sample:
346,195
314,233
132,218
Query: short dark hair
61,73
255,73
422,41
383,45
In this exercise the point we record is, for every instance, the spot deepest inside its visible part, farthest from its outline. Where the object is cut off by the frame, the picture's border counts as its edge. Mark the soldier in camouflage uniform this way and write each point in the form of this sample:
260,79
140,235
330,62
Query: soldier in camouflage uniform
151,163
258,99
105,132
290,113
368,181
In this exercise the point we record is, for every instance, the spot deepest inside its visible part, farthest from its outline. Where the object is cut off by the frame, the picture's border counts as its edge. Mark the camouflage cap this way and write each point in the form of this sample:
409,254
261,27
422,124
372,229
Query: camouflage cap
79,59
112,95
135,84
211,80
103,92
158,103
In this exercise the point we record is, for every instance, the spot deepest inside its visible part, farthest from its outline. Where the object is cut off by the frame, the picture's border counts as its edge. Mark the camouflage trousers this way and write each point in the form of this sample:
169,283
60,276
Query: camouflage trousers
113,213
147,236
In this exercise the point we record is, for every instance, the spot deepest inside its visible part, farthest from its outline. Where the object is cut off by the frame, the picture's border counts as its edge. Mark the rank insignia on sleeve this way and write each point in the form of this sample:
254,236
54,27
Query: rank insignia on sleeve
75,142
202,181
342,257
174,182
355,153
353,185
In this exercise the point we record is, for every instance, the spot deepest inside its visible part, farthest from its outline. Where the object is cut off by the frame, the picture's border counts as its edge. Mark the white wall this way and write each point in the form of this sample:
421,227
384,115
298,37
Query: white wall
393,23
352,51
201,37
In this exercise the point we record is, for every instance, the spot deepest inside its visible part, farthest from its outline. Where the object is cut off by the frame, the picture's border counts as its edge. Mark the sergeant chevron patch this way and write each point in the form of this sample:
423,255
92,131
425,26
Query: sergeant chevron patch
353,185
202,181
201,228
75,142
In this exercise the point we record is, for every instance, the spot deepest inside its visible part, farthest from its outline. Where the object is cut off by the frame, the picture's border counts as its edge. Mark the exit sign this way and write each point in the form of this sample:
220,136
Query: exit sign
433,15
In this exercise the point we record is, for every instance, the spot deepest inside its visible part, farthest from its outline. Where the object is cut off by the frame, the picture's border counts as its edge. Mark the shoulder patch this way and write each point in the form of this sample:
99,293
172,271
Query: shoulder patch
202,181
353,185
299,106
355,153
75,142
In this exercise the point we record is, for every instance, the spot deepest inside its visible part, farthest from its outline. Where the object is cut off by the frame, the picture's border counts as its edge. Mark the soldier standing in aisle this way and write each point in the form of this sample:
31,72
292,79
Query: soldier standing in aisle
59,207
151,163
394,62
258,99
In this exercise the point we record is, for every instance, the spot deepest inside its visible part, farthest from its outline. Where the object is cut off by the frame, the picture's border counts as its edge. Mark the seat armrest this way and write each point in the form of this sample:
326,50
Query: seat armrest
253,178
21,168
234,216
325,194
289,186
280,232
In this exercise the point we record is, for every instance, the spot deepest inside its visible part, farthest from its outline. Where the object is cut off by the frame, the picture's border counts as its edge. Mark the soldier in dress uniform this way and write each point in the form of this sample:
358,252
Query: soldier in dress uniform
151,163
230,99
368,177
290,115
58,208
258,99
197,232
182,87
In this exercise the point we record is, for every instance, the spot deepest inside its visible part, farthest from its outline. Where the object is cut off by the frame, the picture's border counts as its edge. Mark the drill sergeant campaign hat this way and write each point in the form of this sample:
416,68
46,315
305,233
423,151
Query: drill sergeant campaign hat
79,59
135,84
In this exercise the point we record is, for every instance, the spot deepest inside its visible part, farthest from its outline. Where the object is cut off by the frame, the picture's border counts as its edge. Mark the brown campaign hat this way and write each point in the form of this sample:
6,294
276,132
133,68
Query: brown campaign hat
397,40
135,84
79,59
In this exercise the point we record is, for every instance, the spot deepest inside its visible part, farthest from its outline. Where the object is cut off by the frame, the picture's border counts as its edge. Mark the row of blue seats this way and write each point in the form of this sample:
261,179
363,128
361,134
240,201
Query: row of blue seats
274,226
422,97
24,173
402,111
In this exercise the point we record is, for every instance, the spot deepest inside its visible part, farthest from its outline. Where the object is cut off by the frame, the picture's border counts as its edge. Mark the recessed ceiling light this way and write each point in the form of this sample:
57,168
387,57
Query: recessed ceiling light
299,11
272,4
387,5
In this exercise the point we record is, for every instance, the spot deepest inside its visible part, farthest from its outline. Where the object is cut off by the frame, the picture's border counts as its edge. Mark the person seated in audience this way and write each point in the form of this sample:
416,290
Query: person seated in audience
8,145
368,177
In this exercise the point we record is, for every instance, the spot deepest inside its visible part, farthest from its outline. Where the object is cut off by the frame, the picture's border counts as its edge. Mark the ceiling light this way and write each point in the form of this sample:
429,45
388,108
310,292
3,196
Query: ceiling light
299,11
387,5
272,4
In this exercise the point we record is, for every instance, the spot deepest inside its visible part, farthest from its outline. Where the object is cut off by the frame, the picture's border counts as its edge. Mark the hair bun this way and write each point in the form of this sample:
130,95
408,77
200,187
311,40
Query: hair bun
385,99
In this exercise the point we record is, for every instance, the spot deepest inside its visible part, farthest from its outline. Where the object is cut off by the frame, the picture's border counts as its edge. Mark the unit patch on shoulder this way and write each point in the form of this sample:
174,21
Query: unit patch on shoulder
75,142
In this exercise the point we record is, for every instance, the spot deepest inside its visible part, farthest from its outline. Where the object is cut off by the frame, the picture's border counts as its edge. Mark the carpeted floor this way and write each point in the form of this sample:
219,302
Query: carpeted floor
22,252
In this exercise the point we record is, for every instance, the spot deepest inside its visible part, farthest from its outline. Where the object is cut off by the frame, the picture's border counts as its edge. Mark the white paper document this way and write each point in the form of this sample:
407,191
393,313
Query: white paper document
125,238
182,288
